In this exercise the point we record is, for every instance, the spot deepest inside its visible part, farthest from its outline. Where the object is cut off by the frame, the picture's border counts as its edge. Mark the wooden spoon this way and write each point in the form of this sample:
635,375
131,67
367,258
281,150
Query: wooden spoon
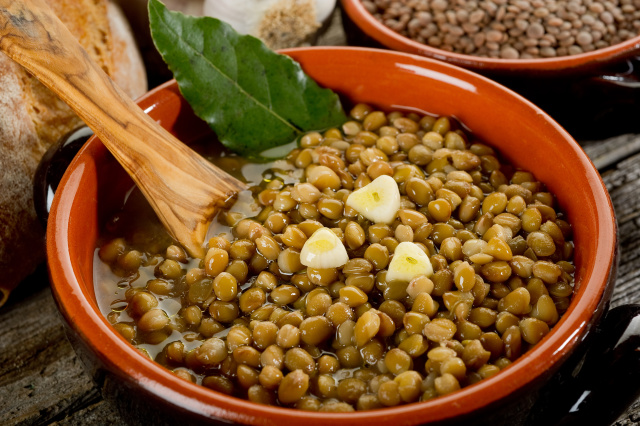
184,189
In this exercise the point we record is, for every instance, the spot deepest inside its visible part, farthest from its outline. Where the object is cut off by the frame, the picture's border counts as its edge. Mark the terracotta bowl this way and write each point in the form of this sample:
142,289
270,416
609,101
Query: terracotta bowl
94,186
600,87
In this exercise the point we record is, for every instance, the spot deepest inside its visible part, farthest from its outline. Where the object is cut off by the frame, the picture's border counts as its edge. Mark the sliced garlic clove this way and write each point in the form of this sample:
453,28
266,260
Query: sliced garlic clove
323,250
379,201
408,261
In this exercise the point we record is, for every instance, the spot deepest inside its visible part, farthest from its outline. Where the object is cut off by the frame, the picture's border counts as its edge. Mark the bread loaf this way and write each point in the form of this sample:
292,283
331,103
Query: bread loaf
32,118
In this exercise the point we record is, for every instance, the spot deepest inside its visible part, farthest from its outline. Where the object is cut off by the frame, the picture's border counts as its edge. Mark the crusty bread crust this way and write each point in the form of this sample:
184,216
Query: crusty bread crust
21,245
32,118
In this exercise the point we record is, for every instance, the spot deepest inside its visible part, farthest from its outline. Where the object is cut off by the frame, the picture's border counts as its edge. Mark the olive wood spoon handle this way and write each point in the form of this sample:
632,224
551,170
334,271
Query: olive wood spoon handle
184,189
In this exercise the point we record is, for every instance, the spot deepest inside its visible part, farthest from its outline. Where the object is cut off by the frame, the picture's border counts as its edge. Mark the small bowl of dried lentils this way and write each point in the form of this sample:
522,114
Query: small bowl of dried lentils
574,58
444,251
503,34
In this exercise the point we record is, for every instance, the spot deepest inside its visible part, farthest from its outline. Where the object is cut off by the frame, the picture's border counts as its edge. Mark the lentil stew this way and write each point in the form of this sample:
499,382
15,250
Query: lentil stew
253,319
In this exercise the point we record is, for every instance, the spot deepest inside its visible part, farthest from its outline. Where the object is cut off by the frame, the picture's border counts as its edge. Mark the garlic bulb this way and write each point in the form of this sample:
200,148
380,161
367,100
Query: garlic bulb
323,250
242,15
378,201
324,9
408,262
279,23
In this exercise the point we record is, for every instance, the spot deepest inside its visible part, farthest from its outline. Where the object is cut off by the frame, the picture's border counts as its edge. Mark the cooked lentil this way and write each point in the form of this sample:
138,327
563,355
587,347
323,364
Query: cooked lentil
250,320
511,29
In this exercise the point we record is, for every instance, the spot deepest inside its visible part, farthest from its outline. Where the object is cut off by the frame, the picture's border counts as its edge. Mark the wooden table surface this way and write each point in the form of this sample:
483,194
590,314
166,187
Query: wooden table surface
42,381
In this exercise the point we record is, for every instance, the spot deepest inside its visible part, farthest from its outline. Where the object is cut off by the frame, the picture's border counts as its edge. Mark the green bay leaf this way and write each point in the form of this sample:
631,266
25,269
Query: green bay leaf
253,98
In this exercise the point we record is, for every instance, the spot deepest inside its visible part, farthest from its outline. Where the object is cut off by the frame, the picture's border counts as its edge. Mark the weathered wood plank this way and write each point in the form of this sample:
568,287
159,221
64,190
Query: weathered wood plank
40,376
623,183
100,413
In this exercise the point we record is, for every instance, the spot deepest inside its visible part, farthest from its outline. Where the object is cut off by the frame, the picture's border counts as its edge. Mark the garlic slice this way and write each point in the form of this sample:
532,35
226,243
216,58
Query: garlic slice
408,261
323,250
379,201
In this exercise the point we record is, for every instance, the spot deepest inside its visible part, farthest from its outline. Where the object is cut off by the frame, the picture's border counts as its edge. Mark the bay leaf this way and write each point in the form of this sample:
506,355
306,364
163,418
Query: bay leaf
253,98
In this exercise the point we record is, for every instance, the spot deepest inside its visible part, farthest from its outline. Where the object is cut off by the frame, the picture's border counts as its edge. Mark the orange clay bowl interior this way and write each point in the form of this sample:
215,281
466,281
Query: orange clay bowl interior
525,135
561,64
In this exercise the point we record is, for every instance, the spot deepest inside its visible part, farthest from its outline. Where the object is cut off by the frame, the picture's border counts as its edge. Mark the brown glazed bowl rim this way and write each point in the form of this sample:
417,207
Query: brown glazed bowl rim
75,198
367,23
